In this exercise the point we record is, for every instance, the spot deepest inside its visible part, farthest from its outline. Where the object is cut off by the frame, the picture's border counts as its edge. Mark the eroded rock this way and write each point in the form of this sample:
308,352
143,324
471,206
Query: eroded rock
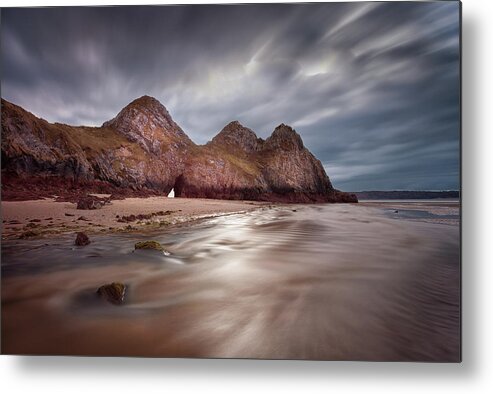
82,239
154,245
91,202
113,292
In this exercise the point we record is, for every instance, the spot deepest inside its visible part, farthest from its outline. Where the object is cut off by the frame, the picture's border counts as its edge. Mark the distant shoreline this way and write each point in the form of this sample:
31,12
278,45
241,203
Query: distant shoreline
407,195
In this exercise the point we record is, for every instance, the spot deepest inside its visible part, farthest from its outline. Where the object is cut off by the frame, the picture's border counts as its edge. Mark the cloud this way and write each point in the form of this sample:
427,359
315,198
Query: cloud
373,88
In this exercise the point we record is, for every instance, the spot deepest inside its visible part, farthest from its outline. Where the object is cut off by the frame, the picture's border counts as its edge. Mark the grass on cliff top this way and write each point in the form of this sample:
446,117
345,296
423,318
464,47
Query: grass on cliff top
237,160
95,138
92,140
248,166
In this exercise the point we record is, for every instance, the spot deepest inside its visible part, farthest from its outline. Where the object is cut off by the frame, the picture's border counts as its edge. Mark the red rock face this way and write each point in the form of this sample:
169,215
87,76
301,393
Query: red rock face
238,138
142,151
147,122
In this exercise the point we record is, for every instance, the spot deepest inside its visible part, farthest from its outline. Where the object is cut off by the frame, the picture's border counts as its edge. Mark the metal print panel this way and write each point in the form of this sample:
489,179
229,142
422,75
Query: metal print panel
268,181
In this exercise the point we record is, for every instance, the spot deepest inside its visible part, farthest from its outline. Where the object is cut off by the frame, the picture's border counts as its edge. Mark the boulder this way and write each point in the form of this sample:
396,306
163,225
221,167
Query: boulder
154,245
113,292
89,202
82,239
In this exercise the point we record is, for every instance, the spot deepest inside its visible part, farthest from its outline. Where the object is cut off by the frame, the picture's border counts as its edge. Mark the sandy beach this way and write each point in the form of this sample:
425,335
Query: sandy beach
28,219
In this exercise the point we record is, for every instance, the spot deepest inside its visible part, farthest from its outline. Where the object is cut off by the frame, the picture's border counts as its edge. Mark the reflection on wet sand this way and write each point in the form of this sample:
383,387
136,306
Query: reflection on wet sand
337,282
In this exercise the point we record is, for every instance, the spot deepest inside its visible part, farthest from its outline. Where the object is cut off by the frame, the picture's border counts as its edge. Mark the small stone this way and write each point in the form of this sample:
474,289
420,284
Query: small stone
82,239
69,214
114,292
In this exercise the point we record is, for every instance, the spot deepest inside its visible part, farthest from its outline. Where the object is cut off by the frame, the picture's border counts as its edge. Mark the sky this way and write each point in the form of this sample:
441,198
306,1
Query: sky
373,88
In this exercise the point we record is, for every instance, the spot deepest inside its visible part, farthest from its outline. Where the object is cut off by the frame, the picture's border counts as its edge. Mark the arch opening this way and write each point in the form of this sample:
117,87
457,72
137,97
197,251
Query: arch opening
178,186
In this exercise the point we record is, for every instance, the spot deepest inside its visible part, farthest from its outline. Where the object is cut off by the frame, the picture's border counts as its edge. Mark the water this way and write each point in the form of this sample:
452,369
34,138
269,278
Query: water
338,282
417,214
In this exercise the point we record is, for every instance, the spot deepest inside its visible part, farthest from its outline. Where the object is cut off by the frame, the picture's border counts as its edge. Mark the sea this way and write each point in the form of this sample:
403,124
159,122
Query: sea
374,281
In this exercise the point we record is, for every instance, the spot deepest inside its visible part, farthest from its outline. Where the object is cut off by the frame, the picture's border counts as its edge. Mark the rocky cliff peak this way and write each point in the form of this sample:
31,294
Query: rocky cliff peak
147,102
284,137
146,121
234,134
143,150
146,108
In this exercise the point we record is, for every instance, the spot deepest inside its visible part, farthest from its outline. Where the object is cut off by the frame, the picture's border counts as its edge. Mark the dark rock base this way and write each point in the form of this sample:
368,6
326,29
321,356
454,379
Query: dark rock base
33,188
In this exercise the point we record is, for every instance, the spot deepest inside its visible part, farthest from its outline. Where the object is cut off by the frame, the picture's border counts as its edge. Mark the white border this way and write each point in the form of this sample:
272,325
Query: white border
475,374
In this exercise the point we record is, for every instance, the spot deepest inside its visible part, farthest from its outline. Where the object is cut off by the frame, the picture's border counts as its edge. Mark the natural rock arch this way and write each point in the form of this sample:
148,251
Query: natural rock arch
179,185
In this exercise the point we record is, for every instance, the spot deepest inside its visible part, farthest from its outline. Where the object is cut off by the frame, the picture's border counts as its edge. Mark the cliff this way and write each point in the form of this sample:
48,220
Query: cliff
142,151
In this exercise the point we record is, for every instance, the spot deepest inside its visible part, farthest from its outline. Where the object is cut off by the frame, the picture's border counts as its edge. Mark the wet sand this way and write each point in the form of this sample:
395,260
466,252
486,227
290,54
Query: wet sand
42,217
439,211
332,282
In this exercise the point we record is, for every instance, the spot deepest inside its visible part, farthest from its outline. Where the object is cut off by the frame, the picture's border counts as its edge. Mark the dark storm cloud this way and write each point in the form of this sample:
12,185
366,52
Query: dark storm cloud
373,88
